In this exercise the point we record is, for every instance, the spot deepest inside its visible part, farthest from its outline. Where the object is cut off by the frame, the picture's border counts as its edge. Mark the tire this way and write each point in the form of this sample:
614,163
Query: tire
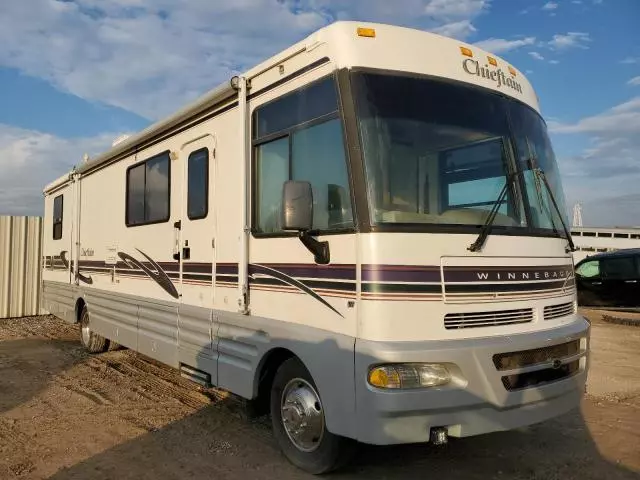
312,452
91,340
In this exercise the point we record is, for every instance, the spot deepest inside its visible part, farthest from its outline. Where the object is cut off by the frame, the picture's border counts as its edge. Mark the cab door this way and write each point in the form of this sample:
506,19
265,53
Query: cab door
195,249
591,290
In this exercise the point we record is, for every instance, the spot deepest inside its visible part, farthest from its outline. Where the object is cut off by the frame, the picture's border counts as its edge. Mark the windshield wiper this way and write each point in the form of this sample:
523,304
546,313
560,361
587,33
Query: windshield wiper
486,228
540,174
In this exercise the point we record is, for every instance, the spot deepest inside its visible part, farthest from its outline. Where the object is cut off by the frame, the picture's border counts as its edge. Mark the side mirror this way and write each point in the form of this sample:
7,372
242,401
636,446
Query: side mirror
297,206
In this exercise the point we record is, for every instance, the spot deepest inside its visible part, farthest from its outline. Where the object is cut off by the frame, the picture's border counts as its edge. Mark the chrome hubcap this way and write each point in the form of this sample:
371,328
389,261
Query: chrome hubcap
86,332
302,415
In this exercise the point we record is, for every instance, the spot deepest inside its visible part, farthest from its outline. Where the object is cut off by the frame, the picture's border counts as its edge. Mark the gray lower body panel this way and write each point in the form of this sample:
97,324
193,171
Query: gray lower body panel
246,342
477,404
113,318
59,299
230,348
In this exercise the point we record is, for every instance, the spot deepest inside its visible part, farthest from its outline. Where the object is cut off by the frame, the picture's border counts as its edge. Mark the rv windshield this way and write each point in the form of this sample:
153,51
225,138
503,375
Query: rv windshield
440,153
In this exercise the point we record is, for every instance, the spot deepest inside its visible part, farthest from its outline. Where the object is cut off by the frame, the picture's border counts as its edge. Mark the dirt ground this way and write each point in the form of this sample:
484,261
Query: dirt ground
67,415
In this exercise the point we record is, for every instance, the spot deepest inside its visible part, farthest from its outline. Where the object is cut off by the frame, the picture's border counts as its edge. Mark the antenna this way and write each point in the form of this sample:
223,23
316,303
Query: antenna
577,215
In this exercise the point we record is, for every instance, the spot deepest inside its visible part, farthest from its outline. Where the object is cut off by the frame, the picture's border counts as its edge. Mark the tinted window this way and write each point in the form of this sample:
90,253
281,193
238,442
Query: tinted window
318,157
589,269
57,217
198,184
148,191
272,171
535,151
619,268
436,153
295,108
621,235
588,234
135,200
312,152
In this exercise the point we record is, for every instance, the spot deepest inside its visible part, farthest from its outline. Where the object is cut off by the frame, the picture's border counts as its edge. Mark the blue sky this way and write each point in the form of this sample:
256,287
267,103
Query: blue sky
75,74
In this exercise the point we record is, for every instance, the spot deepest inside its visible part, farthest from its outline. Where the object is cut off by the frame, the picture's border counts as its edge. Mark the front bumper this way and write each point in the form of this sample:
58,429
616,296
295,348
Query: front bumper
478,403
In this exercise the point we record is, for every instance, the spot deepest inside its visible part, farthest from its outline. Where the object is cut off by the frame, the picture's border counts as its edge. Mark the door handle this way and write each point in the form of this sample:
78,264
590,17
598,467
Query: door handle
596,283
630,281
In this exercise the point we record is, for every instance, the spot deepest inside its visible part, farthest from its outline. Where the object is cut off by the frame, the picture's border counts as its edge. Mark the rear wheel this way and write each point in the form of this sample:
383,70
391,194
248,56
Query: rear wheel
91,340
298,422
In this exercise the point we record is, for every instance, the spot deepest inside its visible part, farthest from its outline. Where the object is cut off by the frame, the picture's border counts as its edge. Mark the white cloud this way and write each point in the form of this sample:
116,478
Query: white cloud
570,40
577,2
550,6
621,118
29,160
152,57
608,164
498,45
536,55
461,29
630,60
635,81
454,8
528,72
554,62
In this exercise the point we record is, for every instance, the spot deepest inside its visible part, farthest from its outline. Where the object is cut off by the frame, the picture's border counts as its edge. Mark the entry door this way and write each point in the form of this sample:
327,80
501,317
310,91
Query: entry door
195,247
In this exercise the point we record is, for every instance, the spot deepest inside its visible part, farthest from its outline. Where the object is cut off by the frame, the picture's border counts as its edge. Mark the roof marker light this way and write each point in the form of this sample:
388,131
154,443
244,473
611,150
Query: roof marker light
512,71
366,32
492,61
466,52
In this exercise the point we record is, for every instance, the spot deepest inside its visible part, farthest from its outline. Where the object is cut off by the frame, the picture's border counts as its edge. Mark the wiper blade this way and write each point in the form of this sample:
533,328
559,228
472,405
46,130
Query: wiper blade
540,174
486,228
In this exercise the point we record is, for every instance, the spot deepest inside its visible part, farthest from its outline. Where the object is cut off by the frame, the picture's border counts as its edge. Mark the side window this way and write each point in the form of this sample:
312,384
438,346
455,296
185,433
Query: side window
299,137
589,269
619,268
148,186
198,184
57,217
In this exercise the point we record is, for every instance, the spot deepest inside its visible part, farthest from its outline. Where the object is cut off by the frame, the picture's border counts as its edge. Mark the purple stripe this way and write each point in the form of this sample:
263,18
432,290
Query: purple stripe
336,272
400,273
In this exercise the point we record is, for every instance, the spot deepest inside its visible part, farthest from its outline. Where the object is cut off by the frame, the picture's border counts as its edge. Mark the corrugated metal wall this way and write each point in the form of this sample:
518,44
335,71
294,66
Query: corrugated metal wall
20,266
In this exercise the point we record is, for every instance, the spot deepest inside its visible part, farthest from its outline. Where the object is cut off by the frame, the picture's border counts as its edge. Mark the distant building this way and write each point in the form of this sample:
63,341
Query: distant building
590,240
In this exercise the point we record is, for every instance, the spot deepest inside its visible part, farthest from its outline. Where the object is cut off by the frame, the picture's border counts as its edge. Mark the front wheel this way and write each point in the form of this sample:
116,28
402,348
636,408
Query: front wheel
299,423
91,340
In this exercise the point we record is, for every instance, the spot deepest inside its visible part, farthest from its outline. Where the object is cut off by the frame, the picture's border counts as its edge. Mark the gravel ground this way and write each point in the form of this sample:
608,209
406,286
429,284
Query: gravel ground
67,415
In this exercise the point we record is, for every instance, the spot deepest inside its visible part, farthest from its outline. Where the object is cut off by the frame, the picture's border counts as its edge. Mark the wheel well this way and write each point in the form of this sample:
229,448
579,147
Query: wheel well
270,363
80,303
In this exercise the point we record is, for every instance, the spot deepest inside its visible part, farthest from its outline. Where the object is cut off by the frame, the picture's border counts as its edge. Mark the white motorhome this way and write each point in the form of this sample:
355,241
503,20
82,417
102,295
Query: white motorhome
363,234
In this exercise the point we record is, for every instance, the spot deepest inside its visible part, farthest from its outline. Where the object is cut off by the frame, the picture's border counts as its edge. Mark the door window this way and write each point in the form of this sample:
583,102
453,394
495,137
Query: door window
619,268
198,184
57,217
589,269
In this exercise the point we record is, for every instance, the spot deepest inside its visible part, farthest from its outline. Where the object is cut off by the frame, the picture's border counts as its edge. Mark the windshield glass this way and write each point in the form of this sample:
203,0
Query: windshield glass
440,153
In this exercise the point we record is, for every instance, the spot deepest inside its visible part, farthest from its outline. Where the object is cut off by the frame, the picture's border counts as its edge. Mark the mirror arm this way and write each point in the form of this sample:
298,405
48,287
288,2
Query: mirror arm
319,249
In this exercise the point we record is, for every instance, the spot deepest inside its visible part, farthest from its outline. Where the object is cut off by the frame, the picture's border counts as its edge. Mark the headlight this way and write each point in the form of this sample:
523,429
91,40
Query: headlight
409,375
